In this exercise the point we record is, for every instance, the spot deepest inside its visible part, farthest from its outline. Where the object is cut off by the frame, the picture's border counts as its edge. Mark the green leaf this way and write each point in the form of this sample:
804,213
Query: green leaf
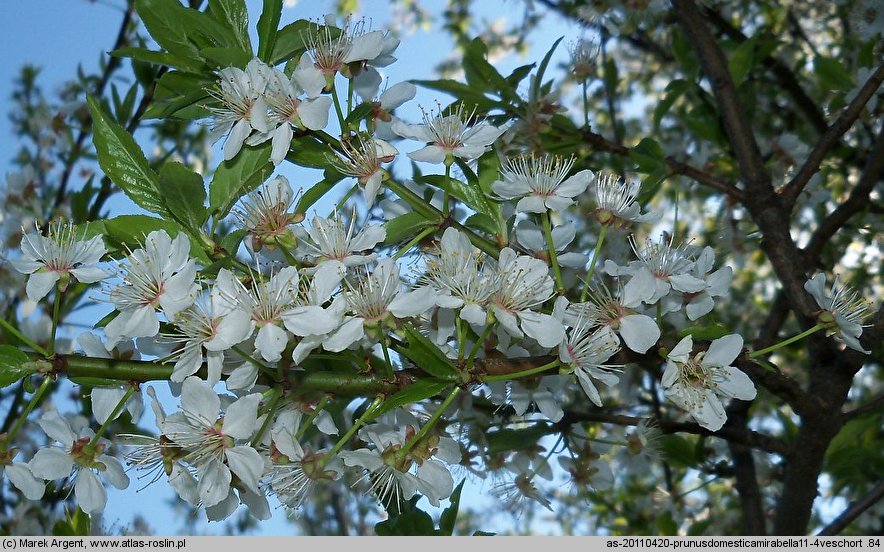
237,177
226,57
679,451
519,74
231,241
833,74
185,195
470,195
449,515
674,90
14,365
163,20
411,522
267,28
235,16
176,91
404,226
704,333
462,91
123,161
126,232
158,58
420,390
290,39
483,76
740,62
314,193
482,222
648,155
541,70
666,524
504,440
426,355
308,151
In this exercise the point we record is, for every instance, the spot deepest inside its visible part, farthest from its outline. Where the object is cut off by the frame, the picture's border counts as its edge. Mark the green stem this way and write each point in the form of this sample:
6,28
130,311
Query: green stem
461,339
340,204
113,416
523,373
423,234
349,96
445,197
26,412
334,94
595,259
387,362
585,104
56,309
271,407
479,344
430,423
792,339
347,436
21,337
289,258
431,213
254,362
319,408
551,248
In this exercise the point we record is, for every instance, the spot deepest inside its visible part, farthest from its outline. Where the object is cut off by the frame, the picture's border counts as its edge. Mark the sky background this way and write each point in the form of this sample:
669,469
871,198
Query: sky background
59,35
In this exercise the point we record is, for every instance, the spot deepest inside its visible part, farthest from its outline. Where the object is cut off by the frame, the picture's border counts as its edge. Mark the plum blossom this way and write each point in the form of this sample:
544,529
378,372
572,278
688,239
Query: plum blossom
531,238
243,107
54,258
214,444
697,382
660,268
369,79
264,213
717,284
617,201
106,399
20,475
334,248
639,331
541,183
207,325
295,102
448,136
396,476
333,53
523,283
843,310
383,105
375,299
80,457
159,276
585,351
363,161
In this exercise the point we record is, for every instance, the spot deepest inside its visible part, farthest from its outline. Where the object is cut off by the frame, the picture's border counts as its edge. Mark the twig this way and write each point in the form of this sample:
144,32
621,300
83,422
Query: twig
853,511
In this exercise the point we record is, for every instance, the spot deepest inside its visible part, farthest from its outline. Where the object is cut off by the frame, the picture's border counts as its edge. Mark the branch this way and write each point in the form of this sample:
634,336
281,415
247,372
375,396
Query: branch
831,138
779,384
784,75
677,167
875,404
853,511
855,202
746,478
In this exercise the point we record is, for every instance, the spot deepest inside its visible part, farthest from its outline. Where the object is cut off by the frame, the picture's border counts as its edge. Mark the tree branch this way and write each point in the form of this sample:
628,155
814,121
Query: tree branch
831,138
853,511
677,167
875,404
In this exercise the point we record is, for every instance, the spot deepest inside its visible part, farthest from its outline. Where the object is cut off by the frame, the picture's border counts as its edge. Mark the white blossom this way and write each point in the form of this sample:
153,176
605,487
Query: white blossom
243,107
660,268
332,54
265,212
697,383
531,237
334,248
586,350
214,444
159,276
54,258
617,201
78,459
106,399
844,310
639,331
541,183
448,136
363,161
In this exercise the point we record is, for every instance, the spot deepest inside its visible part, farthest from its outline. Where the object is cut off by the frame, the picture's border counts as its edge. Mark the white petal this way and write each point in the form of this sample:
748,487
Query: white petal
57,427
214,483
243,377
682,351
412,303
735,384
235,139
20,476
429,154
240,417
437,478
51,463
588,387
198,399
247,464
310,320
350,332
639,332
184,484
723,350
575,185
699,306
548,331
270,342
816,286
280,142
639,288
314,112
114,471
105,400
40,284
90,493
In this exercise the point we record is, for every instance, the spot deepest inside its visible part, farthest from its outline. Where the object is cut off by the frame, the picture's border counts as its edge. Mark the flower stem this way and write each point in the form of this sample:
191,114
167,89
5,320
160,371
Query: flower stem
25,413
551,248
387,362
356,425
21,337
423,234
585,104
251,360
523,373
445,198
319,408
113,416
337,102
479,344
56,308
271,407
594,261
461,339
783,343
430,423
340,204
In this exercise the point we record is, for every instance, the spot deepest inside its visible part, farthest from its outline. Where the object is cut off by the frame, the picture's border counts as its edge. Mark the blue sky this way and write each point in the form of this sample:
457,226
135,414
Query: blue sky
59,35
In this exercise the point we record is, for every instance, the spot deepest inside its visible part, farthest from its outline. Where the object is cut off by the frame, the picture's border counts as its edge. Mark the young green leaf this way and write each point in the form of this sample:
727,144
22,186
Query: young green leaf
237,177
420,390
449,515
123,161
427,356
185,195
267,28
235,16
13,365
